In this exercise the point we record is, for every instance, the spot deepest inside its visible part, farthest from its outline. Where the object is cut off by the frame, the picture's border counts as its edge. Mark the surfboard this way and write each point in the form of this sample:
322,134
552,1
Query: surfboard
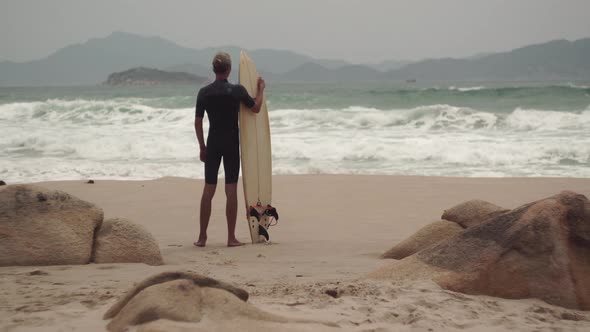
256,157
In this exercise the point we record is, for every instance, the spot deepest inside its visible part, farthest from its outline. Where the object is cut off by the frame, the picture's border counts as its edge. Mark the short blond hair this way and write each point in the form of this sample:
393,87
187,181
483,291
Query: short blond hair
221,62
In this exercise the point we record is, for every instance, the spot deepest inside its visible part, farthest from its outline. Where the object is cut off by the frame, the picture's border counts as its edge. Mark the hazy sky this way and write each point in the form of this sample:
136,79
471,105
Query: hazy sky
354,30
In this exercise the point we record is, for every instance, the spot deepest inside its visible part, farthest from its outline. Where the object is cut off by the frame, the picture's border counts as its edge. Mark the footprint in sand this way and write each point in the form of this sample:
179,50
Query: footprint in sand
108,267
63,268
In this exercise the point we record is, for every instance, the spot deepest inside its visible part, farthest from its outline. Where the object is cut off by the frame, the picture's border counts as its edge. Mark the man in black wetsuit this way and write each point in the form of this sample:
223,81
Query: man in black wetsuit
221,100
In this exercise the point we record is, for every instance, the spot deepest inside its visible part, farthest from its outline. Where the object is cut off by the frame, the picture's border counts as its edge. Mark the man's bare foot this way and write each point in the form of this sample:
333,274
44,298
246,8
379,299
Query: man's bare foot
200,242
234,243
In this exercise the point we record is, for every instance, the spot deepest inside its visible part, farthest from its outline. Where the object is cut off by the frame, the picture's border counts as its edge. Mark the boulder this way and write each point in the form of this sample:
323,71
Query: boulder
235,324
122,241
184,297
472,213
455,220
195,278
45,227
539,250
425,237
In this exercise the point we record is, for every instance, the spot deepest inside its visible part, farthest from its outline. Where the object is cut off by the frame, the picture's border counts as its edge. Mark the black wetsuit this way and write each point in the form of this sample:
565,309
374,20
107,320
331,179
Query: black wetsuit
221,100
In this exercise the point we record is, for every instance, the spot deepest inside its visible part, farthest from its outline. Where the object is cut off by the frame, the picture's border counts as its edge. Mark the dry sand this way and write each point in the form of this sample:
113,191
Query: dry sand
331,233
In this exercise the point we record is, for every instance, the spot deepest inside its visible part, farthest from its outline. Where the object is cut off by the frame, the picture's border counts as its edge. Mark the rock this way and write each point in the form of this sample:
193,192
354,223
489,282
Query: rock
122,241
184,297
45,227
182,300
333,292
38,273
90,182
425,237
2,183
472,213
216,323
539,250
196,278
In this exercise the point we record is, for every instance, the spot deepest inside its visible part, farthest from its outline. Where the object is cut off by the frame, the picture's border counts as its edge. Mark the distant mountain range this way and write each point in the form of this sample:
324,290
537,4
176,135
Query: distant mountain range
91,62
555,60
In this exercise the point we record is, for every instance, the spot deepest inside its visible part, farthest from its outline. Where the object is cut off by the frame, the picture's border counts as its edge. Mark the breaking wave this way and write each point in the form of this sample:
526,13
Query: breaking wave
135,138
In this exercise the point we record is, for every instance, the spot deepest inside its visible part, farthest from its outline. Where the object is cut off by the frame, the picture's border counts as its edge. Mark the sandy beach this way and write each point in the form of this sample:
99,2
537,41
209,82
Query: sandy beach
331,233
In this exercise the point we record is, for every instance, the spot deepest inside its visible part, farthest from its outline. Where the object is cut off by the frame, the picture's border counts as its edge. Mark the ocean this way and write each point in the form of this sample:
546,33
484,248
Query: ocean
471,129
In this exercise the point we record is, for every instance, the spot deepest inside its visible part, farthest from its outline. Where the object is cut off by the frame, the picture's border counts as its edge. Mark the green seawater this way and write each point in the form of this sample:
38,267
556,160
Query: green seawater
484,96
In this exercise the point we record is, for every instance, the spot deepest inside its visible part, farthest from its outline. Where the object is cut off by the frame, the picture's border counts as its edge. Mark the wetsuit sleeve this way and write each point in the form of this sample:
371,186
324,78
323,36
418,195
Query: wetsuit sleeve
244,97
200,107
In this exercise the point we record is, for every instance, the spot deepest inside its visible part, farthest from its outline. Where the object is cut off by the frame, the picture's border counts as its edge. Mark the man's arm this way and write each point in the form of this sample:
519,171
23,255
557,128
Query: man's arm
259,96
199,115
200,138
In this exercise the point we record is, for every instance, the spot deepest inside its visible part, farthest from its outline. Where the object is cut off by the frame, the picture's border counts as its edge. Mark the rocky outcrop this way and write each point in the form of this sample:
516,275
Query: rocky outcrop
151,76
122,241
455,220
539,250
425,237
50,227
184,297
45,227
472,213
195,278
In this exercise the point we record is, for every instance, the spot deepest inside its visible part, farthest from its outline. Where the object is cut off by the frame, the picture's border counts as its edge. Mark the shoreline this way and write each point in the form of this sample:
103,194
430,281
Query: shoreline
221,178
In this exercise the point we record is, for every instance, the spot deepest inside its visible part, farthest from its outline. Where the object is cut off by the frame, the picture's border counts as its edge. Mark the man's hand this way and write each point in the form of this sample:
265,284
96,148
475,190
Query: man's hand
261,84
203,154
259,94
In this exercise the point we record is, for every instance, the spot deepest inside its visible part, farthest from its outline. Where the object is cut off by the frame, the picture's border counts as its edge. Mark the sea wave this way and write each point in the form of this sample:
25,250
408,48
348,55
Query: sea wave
465,89
57,113
537,120
576,86
431,117
127,138
95,112
483,91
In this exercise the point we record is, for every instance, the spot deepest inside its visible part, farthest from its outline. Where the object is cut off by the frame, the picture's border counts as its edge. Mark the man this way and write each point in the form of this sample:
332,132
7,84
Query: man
221,100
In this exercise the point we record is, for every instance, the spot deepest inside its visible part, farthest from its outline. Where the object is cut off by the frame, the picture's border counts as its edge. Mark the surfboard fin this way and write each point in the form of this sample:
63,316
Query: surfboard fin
262,231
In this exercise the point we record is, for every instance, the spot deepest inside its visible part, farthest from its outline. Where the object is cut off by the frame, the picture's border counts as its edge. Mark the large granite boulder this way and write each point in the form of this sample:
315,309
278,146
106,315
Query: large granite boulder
539,250
184,297
454,221
122,241
160,278
45,227
425,237
472,213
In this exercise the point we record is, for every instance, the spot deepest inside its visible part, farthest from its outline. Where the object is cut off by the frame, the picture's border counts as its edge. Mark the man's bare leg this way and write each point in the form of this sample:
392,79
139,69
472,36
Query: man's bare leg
205,213
231,213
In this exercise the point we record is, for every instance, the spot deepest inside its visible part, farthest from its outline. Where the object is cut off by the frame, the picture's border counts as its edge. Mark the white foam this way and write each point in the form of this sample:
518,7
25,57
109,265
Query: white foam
575,86
465,89
433,117
537,120
128,139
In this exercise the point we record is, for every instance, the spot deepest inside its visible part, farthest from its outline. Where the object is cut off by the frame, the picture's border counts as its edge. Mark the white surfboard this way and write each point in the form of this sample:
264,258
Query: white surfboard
256,155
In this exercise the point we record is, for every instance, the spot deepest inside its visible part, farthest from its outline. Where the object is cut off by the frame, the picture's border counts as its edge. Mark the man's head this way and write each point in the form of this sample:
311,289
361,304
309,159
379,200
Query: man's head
221,63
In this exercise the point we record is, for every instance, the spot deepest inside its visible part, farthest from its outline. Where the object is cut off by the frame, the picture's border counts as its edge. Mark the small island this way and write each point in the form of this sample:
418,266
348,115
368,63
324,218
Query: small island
151,76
